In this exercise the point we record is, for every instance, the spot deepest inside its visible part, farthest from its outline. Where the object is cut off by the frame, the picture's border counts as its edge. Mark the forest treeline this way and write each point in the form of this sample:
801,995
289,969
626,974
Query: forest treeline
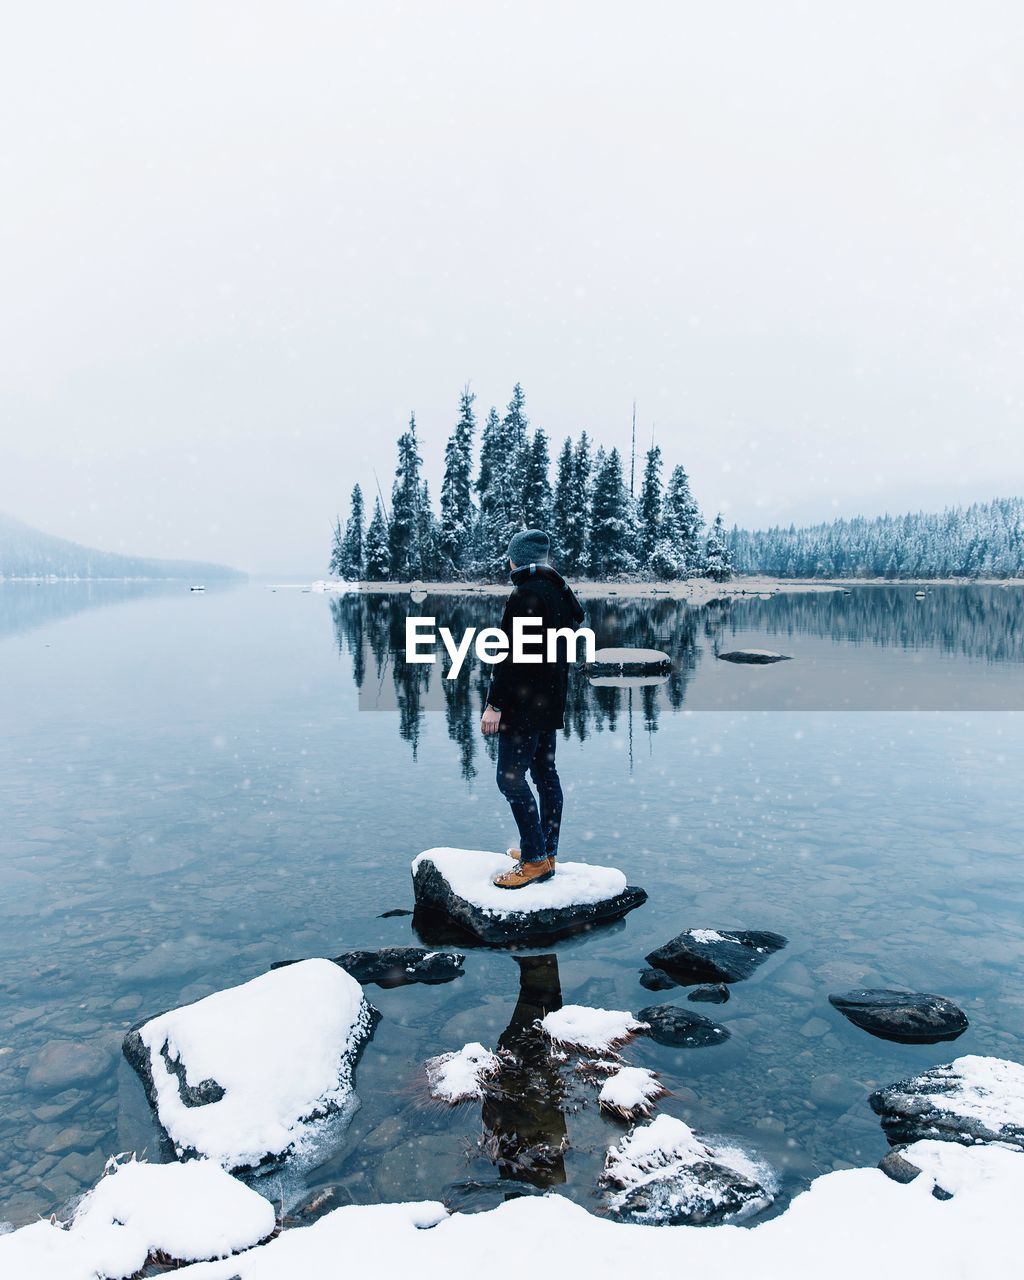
647,527
599,526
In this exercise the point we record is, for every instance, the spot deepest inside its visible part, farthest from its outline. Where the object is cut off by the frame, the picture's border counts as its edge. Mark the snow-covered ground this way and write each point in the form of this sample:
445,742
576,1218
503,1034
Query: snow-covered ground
469,873
849,1225
281,1048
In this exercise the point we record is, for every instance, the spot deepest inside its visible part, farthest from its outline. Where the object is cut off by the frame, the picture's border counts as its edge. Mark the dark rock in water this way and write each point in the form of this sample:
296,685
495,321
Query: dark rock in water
675,1026
436,900
754,657
905,1016
656,980
398,911
396,966
712,955
718,994
974,1099
399,966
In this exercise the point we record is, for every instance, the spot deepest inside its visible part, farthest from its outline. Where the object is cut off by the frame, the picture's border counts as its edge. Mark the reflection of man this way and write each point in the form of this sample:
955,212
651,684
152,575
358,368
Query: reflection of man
525,707
522,1111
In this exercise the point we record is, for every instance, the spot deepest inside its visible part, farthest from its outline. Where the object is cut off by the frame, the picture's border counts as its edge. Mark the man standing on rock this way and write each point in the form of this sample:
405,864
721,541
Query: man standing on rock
526,707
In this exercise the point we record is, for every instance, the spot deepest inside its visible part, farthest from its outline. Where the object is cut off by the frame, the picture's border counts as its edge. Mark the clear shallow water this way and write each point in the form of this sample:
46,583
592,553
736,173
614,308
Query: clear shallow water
190,792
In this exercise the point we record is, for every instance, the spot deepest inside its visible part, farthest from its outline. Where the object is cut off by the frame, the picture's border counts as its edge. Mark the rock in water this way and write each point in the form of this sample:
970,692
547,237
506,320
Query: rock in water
905,1016
973,1099
710,955
656,980
455,886
398,966
243,1075
629,661
718,994
754,657
663,1174
669,1024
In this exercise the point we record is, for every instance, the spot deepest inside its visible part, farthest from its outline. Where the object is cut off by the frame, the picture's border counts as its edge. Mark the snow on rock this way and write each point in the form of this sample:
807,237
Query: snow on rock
897,1231
241,1075
973,1099
907,1017
594,1030
950,1168
631,1092
663,1173
459,1076
712,955
626,658
458,884
188,1212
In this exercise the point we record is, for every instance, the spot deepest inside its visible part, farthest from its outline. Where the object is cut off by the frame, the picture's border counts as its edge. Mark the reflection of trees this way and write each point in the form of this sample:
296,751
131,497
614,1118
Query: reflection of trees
977,622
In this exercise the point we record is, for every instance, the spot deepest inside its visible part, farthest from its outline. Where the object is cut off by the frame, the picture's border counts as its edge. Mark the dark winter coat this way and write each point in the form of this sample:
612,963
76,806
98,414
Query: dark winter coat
532,695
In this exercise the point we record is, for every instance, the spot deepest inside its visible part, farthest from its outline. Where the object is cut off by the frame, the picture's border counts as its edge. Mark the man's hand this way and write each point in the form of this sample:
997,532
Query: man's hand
491,720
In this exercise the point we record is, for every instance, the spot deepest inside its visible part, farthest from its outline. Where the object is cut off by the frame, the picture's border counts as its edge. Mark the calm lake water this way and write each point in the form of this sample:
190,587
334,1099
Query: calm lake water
196,786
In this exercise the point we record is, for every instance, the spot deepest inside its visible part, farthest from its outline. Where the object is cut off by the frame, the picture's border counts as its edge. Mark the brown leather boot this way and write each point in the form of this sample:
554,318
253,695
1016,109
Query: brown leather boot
515,853
524,873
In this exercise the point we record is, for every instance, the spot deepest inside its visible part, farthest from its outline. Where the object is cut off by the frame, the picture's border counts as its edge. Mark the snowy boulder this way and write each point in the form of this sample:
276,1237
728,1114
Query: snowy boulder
948,1166
973,1099
711,955
663,1174
671,1025
243,1076
183,1213
398,966
754,657
460,1076
456,885
905,1016
577,1026
628,661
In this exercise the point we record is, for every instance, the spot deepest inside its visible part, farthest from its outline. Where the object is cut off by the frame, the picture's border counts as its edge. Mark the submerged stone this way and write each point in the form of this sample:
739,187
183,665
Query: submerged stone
973,1099
908,1017
398,966
656,980
755,657
718,994
669,1024
454,886
712,955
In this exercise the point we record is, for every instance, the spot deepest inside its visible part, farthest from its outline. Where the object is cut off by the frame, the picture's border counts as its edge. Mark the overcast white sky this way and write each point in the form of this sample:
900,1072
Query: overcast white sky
241,241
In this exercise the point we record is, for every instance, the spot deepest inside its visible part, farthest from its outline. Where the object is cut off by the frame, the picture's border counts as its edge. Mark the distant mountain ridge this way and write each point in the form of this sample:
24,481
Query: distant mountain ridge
28,553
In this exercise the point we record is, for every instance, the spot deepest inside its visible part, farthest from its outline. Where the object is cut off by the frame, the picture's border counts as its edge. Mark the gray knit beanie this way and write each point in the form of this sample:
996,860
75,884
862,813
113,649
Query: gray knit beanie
531,546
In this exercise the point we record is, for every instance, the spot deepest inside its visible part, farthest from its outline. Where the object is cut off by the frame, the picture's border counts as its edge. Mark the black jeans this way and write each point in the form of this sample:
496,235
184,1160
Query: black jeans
520,750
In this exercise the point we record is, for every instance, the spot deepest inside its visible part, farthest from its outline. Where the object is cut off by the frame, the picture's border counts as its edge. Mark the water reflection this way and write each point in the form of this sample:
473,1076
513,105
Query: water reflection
875,648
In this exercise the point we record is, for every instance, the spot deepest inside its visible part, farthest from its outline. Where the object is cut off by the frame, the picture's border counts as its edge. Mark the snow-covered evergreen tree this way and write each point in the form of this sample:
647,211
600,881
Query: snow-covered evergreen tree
378,547
337,549
457,513
348,561
610,525
561,508
717,560
679,551
406,498
537,483
648,507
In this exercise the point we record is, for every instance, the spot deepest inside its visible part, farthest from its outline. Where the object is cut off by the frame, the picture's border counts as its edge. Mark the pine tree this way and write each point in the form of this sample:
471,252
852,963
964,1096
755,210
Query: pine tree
337,550
536,483
648,507
457,514
577,513
349,561
679,551
561,505
490,459
406,498
428,539
378,547
609,518
717,561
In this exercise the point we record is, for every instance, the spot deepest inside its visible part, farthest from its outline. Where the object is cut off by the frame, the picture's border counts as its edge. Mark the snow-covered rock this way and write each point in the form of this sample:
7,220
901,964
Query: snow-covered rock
627,660
670,1024
631,1092
715,955
754,657
663,1173
244,1074
459,1076
458,884
594,1030
973,1099
188,1212
907,1017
